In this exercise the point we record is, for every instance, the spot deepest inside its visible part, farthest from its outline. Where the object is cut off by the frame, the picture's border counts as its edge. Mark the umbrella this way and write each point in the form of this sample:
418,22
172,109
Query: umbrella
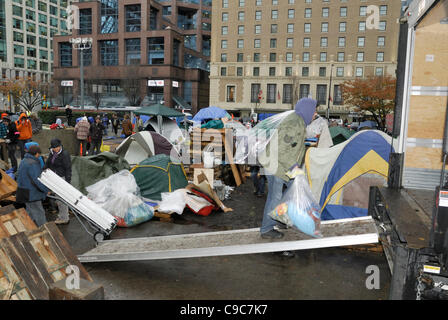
211,112
160,111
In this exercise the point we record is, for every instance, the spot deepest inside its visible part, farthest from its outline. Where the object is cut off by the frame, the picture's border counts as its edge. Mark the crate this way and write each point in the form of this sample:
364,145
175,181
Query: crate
13,221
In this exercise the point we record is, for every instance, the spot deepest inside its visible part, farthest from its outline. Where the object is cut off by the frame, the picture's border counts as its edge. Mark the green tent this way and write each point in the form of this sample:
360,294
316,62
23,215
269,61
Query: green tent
159,174
340,134
159,110
91,169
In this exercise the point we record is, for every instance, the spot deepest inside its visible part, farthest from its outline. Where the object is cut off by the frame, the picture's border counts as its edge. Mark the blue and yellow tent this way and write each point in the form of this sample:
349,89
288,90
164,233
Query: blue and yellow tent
330,170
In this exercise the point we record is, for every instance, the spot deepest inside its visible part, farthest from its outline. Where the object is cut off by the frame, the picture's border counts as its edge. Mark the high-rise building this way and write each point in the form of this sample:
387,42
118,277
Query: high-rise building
26,31
143,52
266,54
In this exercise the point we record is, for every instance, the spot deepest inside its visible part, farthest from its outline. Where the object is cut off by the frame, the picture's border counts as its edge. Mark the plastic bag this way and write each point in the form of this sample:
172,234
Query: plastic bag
255,140
173,201
117,184
315,128
298,208
129,209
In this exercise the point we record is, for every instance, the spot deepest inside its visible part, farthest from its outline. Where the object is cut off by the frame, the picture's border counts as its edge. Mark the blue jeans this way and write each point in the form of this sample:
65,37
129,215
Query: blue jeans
36,211
259,182
275,193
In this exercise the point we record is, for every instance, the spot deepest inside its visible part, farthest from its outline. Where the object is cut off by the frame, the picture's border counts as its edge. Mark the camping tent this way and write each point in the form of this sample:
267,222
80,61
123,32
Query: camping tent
160,111
159,174
88,170
144,144
340,134
170,129
354,164
211,112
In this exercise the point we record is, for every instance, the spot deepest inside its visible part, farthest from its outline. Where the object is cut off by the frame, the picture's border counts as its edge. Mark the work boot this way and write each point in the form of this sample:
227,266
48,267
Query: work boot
272,234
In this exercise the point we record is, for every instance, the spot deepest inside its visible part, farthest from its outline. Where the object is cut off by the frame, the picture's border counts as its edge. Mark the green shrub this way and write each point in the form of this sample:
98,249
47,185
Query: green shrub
50,116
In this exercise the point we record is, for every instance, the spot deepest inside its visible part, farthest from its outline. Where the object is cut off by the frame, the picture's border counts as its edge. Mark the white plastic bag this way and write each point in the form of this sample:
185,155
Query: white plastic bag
298,208
119,183
173,201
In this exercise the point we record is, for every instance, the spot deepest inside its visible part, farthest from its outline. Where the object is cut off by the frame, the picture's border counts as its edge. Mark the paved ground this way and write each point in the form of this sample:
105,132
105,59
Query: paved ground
334,273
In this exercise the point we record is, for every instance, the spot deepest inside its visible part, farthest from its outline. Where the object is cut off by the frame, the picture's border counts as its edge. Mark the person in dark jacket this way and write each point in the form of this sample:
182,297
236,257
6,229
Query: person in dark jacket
96,134
11,141
29,189
59,161
115,123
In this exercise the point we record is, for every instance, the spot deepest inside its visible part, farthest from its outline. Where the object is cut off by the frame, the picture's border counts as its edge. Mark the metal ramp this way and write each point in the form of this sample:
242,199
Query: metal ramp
355,231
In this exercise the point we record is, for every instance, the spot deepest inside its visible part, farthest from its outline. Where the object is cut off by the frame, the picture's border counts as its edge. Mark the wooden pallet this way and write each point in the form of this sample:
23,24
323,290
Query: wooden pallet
31,261
8,186
13,221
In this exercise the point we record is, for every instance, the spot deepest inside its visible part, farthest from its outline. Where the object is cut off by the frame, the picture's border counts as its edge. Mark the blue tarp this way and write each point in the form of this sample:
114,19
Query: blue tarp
211,112
263,116
334,212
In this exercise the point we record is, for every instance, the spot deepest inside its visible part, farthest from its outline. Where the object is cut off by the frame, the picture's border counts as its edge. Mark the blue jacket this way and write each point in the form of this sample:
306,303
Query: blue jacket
29,170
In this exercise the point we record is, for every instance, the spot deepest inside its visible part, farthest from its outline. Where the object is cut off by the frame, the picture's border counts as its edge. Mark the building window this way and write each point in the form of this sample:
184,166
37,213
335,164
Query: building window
289,57
241,3
291,13
289,42
223,44
306,42
339,71
287,93
274,14
17,36
240,44
176,50
341,42
362,26
133,53
325,12
342,26
288,71
307,27
256,57
308,12
241,16
224,30
42,42
321,94
19,63
341,56
240,29
109,16
32,40
378,71
109,52
65,54
361,42
323,57
304,91
190,41
324,27
239,71
258,15
230,93
359,71
363,11
257,29
381,41
343,12
360,56
305,71
223,57
42,18
225,3
223,71
274,28
290,27
255,89
17,11
85,21
322,71
256,71
156,50
239,57
380,56
257,43
19,50
272,57
273,43
271,93
30,15
306,57
324,42
166,11
272,71
17,24
225,17
31,52
258,2
383,10
382,26
86,57
337,93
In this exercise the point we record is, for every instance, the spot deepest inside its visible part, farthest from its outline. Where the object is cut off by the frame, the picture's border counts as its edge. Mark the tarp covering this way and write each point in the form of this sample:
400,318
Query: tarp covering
159,110
159,174
211,112
334,212
91,169
340,134
330,169
143,145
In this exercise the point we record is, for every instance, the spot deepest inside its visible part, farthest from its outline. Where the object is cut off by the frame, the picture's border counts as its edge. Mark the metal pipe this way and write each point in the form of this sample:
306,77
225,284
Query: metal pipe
82,77
329,93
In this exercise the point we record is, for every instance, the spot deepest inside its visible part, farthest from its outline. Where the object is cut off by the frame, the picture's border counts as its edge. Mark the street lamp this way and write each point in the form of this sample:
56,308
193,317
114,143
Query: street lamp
329,93
81,44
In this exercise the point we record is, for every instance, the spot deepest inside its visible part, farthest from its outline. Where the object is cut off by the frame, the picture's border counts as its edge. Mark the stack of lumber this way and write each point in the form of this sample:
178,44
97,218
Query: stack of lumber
8,186
32,259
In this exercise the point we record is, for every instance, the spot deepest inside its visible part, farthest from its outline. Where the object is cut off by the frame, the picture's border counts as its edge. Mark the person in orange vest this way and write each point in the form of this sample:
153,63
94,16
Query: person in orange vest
24,127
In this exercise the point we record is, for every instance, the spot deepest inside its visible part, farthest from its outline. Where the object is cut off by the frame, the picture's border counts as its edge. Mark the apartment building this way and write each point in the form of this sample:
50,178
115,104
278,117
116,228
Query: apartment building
154,51
27,28
266,54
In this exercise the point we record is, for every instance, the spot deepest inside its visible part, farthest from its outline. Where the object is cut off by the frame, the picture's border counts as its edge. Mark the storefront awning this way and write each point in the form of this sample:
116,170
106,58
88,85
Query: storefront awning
181,102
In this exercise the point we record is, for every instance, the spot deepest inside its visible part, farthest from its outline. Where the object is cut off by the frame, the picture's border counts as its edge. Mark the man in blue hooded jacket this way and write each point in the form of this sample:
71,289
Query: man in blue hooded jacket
290,143
29,189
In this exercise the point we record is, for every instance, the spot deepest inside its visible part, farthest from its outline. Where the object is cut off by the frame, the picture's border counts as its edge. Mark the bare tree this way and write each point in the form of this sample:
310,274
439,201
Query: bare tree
131,86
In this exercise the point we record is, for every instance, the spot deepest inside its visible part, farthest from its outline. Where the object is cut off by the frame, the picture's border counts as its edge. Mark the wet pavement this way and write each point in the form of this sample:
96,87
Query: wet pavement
331,273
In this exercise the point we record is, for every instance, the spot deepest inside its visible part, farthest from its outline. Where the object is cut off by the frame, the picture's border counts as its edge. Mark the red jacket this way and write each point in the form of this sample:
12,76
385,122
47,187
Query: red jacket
25,128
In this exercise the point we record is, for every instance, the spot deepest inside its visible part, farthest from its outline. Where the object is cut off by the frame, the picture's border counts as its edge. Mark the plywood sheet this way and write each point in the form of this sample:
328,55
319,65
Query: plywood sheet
427,117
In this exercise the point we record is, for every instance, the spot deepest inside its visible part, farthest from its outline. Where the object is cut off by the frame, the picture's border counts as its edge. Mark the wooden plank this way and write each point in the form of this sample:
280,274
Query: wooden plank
229,154
66,249
6,266
7,209
8,186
